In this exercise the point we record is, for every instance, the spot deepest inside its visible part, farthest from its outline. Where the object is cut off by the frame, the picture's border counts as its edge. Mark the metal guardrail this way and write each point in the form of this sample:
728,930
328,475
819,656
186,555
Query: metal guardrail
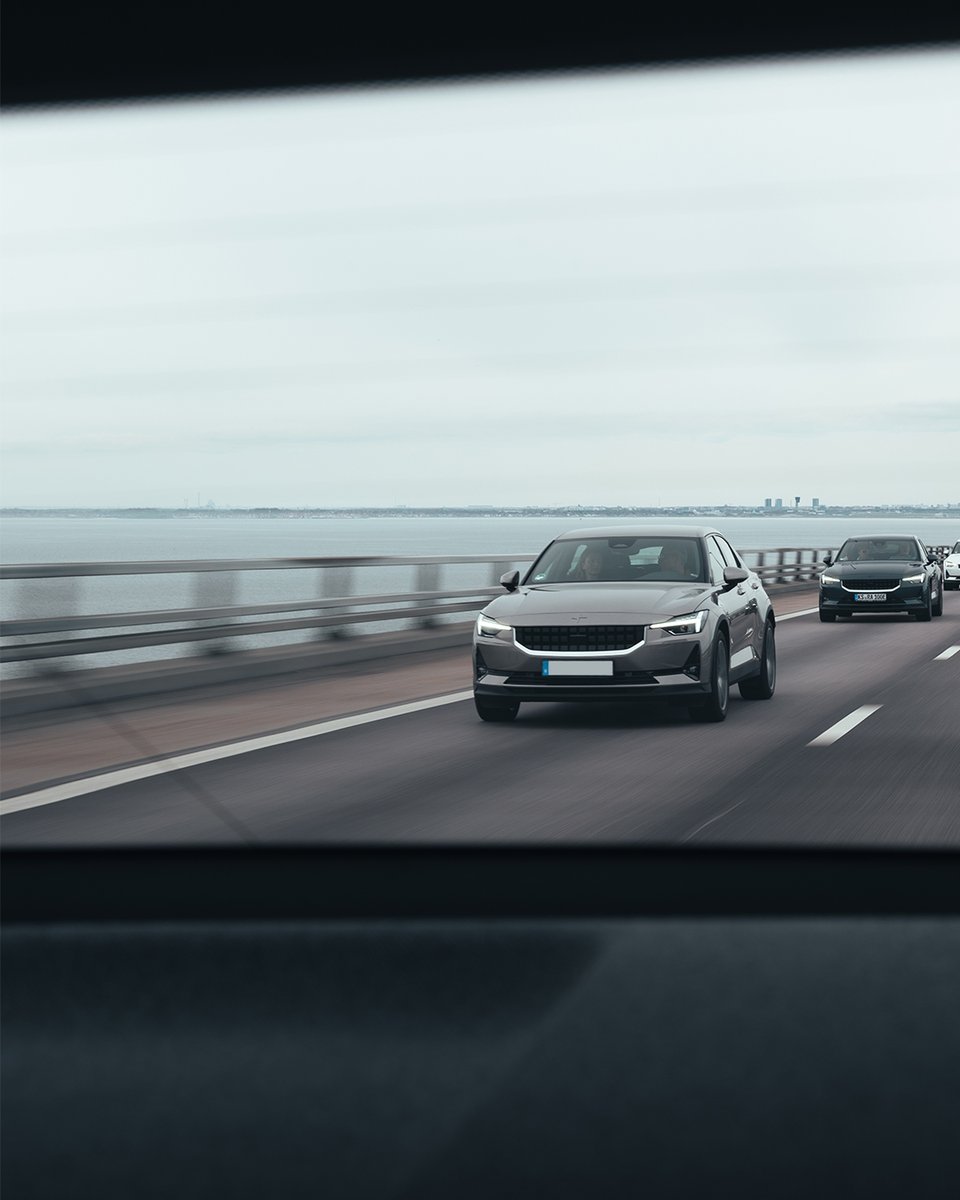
334,612
214,619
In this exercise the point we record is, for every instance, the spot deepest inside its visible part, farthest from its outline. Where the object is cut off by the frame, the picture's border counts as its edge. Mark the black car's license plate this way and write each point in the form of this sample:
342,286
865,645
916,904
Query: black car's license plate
870,596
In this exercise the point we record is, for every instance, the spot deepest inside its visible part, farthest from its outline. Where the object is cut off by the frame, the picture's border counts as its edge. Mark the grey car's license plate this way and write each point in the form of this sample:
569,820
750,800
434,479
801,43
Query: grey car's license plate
572,667
869,595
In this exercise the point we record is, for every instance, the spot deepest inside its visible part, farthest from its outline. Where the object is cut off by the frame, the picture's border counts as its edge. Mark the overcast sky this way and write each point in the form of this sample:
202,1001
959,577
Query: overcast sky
701,285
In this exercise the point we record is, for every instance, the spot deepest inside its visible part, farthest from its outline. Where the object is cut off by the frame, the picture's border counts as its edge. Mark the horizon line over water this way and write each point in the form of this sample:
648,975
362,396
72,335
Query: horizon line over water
57,539
945,510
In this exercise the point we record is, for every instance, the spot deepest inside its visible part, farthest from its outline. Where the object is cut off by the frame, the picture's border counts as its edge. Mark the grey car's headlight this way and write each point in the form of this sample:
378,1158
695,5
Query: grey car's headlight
488,627
690,623
829,580
919,578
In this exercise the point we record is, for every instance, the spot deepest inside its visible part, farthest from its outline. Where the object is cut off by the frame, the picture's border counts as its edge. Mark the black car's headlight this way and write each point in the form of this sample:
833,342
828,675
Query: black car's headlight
829,580
689,623
918,578
489,627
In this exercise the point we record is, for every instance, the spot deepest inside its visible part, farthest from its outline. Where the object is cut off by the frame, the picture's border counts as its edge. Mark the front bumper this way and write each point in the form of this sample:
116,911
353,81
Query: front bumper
905,599
659,689
662,668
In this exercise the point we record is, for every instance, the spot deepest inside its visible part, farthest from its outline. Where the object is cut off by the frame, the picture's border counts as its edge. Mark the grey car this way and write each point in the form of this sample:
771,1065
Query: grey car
644,612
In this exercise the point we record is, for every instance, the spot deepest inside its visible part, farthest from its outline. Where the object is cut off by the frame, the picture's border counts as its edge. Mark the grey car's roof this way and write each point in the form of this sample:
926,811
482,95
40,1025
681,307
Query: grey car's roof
639,529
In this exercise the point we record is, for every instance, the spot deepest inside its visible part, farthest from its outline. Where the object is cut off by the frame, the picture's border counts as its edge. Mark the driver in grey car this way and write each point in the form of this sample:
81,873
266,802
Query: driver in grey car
590,566
672,562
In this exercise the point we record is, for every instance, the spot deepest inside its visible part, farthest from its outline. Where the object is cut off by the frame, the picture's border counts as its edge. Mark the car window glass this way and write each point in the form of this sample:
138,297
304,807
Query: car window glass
374,300
717,562
624,559
730,556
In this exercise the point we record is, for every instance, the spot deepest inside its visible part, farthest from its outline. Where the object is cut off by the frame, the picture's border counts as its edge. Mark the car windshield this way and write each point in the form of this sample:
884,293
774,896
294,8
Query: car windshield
620,560
298,387
878,550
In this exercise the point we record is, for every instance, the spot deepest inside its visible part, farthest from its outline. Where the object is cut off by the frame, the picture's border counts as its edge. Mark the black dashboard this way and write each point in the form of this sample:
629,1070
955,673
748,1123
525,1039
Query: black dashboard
385,1022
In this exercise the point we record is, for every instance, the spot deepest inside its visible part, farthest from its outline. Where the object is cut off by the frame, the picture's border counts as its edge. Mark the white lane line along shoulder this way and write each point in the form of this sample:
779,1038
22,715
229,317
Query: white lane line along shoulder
804,612
948,653
195,758
851,721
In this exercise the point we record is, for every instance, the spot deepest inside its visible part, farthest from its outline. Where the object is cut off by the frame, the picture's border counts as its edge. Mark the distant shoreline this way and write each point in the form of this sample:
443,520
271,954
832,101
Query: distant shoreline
929,512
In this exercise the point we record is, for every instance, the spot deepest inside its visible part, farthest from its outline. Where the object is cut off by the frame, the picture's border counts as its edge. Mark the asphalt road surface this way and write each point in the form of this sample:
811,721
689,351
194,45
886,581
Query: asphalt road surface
884,691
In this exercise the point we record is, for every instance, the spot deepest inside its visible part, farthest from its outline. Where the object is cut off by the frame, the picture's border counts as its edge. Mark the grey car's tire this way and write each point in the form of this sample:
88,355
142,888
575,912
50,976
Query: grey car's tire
827,617
496,710
762,685
938,605
714,708
925,613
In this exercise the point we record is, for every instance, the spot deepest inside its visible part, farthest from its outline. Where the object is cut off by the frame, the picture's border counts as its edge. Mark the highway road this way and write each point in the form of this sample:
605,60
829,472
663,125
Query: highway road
860,746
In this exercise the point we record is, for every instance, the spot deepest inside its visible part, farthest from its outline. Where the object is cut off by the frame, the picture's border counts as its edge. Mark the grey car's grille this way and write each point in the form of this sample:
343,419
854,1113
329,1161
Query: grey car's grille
588,639
870,585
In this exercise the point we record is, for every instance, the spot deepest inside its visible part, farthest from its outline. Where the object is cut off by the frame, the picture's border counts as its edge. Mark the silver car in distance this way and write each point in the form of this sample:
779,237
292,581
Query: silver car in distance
643,612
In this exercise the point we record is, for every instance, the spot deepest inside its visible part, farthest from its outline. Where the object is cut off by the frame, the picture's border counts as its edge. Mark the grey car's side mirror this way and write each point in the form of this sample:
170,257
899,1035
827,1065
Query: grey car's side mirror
732,576
510,580
828,560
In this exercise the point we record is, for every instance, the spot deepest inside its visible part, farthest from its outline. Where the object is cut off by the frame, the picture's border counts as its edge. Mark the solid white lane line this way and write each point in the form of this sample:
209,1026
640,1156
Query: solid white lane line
806,612
949,653
835,732
179,762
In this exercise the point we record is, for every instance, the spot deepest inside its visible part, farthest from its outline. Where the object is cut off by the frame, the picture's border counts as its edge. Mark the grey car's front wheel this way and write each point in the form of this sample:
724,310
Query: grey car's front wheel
714,708
496,710
761,686
925,613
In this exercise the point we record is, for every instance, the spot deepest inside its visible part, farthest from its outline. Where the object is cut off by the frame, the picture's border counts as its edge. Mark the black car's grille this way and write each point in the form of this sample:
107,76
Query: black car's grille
870,585
588,639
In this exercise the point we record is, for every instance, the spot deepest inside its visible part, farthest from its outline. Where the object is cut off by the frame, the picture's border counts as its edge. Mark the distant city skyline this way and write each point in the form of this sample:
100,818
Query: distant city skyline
951,510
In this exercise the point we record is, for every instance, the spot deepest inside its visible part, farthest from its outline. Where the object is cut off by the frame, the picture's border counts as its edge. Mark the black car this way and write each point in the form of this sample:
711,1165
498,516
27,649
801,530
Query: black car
881,575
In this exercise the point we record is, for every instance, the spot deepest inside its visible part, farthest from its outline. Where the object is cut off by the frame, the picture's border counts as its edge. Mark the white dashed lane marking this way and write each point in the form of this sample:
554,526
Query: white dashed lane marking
851,721
948,653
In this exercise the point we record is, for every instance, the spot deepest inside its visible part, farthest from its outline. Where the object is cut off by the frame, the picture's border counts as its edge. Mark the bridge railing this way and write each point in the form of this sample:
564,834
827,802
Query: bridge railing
49,624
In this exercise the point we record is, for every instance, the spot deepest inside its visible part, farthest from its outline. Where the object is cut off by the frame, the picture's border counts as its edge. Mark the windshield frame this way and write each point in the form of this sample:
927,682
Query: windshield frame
874,542
620,559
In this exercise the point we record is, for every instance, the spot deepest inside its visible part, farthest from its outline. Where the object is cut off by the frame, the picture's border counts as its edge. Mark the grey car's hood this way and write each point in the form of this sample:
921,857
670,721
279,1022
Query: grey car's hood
605,603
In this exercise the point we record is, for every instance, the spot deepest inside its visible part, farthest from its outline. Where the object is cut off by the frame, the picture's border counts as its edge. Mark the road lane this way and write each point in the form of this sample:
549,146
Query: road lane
592,773
894,779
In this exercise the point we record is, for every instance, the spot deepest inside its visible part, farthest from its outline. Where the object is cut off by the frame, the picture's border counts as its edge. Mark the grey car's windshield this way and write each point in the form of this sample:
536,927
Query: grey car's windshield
878,550
620,560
